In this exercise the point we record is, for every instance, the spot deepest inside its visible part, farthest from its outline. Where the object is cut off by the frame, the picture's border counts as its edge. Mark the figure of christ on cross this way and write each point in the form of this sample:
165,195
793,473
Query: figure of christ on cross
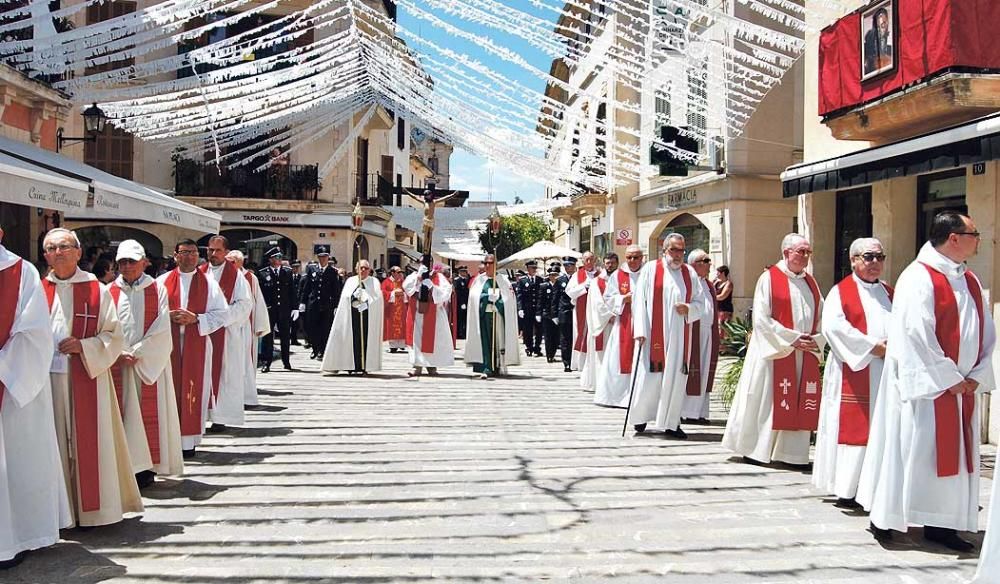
430,200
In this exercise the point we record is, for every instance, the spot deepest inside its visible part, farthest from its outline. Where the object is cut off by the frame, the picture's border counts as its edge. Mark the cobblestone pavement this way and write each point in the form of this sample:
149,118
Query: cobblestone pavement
389,479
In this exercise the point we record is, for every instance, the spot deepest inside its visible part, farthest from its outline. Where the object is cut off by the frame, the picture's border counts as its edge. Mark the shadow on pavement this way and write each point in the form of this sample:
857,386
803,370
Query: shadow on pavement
63,563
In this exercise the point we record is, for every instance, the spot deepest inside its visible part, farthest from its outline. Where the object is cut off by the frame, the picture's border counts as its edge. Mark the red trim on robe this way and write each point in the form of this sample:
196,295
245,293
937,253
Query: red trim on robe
658,346
228,284
10,295
694,368
799,409
949,425
395,325
626,342
188,365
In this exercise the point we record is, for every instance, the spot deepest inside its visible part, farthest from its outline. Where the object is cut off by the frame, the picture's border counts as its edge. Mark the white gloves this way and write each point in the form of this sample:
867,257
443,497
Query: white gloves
555,320
422,269
538,319
302,307
520,314
295,315
427,283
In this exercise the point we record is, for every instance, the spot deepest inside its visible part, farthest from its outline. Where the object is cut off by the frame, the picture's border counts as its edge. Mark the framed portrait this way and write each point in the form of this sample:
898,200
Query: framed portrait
878,39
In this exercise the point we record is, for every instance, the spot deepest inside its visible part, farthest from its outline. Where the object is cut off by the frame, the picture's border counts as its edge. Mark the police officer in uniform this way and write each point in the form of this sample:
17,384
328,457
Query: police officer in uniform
277,287
565,313
296,291
461,286
528,310
548,306
318,297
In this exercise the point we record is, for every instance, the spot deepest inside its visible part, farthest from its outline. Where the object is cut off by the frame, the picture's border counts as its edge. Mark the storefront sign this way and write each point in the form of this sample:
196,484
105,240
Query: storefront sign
679,199
715,245
624,236
978,168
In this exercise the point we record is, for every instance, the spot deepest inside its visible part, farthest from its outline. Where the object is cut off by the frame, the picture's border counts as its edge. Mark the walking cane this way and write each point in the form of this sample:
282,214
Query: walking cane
631,393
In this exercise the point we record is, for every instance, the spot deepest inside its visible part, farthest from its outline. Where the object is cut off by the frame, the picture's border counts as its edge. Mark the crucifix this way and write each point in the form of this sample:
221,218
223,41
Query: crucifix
430,199
86,316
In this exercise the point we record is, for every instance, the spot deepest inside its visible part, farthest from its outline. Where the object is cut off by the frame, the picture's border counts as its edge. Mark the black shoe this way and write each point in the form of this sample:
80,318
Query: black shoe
188,454
296,343
567,369
677,434
948,538
847,504
16,560
880,534
312,355
265,369
753,461
640,428
287,366
550,359
144,478
216,428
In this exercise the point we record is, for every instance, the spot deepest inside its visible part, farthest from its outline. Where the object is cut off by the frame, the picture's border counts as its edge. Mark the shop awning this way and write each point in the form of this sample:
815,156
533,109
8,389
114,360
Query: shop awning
27,184
112,196
402,248
962,145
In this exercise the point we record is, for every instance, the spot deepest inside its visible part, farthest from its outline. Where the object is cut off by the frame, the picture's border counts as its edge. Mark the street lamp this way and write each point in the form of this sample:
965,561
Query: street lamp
357,221
94,122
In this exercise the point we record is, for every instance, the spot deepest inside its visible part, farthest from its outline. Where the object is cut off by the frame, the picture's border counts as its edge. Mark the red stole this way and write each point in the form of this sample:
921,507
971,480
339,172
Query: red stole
856,391
430,319
228,284
694,369
626,342
799,409
10,294
658,346
396,327
83,389
580,345
949,425
148,405
188,362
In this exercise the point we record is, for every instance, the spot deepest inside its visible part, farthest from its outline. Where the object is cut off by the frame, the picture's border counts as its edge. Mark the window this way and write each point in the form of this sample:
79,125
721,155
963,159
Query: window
106,11
401,134
432,163
937,193
854,220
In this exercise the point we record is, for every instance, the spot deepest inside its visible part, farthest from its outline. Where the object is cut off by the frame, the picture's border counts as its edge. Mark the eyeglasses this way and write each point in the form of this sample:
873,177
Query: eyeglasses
186,252
803,252
975,234
633,257
62,247
870,257
675,249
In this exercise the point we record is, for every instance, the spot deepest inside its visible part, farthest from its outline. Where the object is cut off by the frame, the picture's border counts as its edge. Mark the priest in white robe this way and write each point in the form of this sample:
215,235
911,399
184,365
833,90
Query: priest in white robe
855,323
666,301
922,464
229,372
615,373
355,342
88,340
198,308
259,325
491,325
146,390
33,502
704,347
428,330
776,407
587,348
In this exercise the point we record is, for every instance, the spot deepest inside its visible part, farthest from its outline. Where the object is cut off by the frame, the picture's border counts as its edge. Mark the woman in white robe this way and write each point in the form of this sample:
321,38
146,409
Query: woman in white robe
361,304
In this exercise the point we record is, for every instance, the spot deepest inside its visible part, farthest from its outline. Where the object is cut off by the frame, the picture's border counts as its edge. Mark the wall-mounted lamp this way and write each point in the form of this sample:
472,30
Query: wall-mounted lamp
94,122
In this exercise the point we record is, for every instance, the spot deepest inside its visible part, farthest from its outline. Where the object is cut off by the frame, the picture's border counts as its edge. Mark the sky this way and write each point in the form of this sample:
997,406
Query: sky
469,171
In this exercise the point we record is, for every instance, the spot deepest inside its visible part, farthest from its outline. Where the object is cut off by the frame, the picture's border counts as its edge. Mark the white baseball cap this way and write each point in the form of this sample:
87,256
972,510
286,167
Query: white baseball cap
130,249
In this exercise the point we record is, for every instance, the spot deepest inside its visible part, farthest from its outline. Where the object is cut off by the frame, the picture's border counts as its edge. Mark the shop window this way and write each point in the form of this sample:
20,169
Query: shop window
585,231
696,235
854,220
937,193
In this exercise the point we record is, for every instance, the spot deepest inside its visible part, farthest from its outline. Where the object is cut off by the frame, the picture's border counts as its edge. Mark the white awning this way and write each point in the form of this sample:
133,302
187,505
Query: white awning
113,197
27,184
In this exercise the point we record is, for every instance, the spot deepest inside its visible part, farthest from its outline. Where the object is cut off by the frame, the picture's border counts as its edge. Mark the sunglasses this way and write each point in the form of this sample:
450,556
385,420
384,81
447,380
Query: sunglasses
633,257
870,257
704,261
675,249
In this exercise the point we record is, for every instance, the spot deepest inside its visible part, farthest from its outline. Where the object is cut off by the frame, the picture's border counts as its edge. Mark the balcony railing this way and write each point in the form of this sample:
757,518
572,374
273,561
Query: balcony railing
289,182
372,189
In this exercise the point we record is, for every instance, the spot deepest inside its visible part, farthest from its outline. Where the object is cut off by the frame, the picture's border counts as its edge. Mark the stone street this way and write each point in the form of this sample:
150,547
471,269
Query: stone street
389,479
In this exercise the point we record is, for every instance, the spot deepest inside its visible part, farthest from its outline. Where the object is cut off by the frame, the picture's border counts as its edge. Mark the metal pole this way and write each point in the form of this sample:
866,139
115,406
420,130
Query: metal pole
631,393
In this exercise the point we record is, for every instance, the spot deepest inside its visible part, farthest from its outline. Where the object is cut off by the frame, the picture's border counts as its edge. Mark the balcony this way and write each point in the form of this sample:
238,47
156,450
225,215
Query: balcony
286,182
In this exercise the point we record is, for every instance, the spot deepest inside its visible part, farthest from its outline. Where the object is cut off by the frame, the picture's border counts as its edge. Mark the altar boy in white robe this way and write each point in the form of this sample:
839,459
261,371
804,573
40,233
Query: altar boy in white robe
146,390
197,309
615,373
355,342
228,343
258,325
855,323
33,503
776,407
588,349
667,300
428,332
922,464
89,339
704,347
